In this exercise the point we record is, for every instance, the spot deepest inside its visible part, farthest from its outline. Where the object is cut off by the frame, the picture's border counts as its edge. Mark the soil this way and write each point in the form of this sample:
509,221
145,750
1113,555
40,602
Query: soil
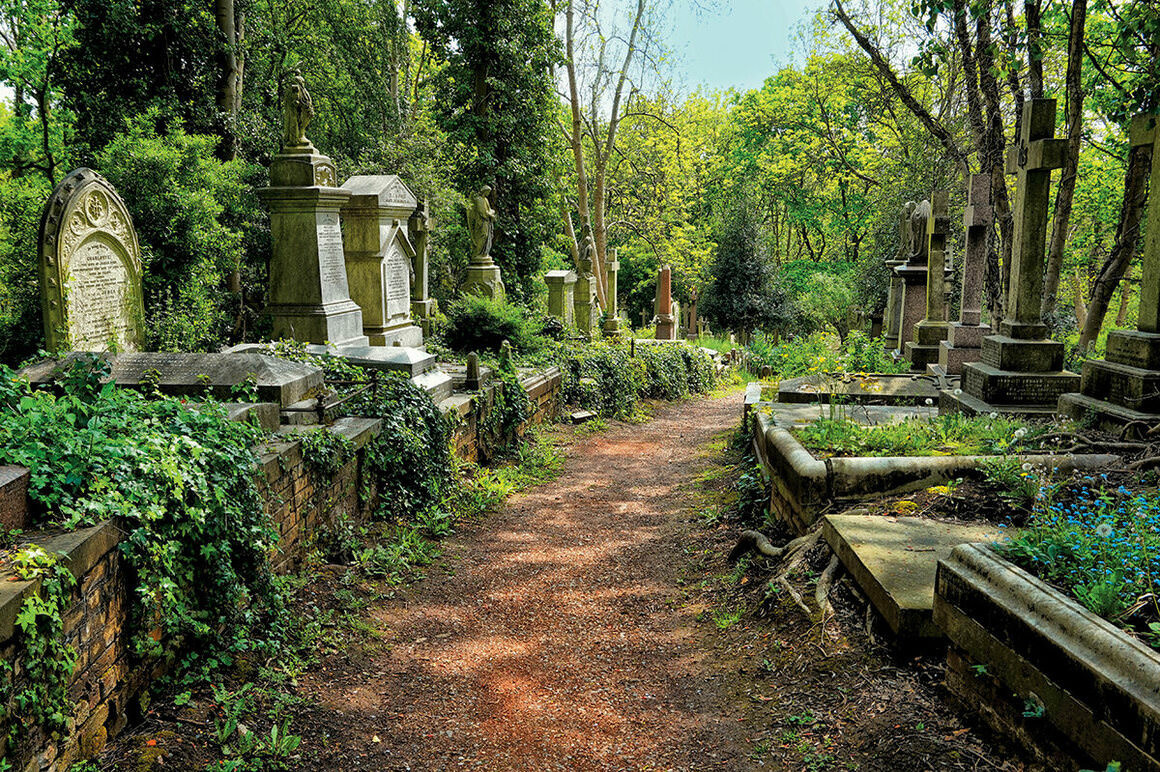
593,623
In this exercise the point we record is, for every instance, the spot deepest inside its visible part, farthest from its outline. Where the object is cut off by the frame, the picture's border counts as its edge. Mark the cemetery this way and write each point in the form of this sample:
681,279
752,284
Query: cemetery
441,386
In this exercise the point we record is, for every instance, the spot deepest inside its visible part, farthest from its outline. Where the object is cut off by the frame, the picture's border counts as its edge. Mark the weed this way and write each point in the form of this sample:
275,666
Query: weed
727,617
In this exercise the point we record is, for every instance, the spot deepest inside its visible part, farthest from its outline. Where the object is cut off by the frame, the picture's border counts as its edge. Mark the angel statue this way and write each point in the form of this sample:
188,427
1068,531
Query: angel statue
481,223
297,111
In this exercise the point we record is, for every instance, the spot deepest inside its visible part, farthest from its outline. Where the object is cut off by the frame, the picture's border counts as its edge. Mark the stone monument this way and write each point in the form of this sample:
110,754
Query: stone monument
692,325
612,312
892,320
380,257
423,306
90,268
911,276
1125,386
923,348
309,297
483,275
666,323
561,286
1021,371
585,302
965,338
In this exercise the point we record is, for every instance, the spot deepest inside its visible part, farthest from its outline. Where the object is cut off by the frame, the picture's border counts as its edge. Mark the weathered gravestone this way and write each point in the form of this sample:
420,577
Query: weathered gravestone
309,296
893,314
692,327
1021,371
666,322
561,292
276,380
90,268
922,349
1125,386
584,299
483,275
380,256
423,306
612,313
912,277
965,338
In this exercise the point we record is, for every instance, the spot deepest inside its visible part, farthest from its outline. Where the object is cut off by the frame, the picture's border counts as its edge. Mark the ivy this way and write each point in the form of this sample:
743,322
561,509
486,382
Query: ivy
509,410
325,451
48,661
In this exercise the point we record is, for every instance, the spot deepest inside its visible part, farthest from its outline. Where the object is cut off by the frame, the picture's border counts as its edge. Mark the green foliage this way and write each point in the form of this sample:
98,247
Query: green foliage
1100,544
476,323
1014,481
819,353
180,484
199,223
510,409
46,659
326,451
950,434
246,750
21,327
742,295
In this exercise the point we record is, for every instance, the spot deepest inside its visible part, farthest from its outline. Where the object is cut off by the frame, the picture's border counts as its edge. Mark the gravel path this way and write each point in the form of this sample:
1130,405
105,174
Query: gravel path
553,638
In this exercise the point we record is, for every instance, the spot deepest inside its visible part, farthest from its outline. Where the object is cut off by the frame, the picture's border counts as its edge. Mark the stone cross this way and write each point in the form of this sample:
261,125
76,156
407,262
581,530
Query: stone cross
1146,131
419,226
936,239
979,218
612,312
1032,161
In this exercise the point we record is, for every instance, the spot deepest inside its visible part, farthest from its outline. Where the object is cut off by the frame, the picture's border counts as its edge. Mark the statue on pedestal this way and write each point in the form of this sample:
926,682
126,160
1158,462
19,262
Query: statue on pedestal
481,224
297,112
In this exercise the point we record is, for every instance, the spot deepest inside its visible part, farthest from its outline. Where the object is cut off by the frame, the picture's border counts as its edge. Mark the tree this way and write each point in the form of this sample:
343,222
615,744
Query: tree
494,97
742,297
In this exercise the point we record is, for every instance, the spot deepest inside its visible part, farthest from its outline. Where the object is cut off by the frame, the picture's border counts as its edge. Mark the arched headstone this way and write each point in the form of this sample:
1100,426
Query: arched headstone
90,268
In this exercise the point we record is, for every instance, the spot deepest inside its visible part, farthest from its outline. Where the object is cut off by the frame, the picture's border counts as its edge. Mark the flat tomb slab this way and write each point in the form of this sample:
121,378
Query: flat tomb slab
874,388
894,560
277,380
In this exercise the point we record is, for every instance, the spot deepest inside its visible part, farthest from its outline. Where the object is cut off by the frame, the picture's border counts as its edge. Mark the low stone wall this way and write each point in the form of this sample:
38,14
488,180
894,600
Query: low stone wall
1070,687
802,486
470,409
13,497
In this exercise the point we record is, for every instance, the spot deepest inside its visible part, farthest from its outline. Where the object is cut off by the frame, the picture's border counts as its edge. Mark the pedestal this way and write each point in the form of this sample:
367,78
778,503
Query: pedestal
1122,388
484,279
923,349
964,344
585,305
1015,377
892,315
666,327
309,297
423,312
912,306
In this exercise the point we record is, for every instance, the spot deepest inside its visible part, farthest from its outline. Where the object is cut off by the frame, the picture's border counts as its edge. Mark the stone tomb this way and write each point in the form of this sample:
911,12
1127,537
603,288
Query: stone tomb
965,338
380,257
90,268
277,380
561,292
923,348
1125,386
1021,370
309,297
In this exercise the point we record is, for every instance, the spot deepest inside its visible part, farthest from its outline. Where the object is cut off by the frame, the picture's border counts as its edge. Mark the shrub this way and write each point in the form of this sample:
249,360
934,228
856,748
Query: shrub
475,323
820,353
21,328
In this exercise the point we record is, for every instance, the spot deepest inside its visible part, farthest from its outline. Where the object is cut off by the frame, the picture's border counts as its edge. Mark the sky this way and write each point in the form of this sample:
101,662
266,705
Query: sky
738,44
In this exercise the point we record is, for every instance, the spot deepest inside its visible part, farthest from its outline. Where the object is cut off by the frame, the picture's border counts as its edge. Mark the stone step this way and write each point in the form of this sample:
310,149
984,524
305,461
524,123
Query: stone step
894,559
1133,387
1017,388
1107,415
950,402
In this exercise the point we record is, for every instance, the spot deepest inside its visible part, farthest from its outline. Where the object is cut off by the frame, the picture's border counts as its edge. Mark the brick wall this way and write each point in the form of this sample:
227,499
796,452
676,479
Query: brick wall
13,497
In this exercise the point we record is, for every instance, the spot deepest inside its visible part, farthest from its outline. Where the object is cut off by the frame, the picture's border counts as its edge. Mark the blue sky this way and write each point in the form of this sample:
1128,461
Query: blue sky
739,44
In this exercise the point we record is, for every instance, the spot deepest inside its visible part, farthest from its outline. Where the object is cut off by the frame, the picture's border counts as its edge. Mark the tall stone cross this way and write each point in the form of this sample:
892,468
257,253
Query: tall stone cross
979,218
936,238
1146,131
1031,160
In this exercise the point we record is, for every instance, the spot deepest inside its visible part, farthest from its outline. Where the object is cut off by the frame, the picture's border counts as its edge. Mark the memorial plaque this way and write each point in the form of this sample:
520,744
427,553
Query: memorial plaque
398,284
90,268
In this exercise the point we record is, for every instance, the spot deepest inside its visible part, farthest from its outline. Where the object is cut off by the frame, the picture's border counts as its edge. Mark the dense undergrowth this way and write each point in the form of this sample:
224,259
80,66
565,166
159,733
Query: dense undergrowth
819,353
953,434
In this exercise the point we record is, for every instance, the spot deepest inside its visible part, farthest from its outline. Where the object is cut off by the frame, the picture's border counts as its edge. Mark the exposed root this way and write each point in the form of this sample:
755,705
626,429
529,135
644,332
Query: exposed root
795,553
797,598
757,542
825,584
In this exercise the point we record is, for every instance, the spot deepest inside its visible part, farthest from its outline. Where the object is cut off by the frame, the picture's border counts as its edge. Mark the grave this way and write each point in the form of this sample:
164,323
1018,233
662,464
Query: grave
483,275
923,348
309,298
666,322
585,302
894,561
1125,385
90,268
612,313
965,337
912,278
561,292
380,257
423,306
194,375
692,330
1021,372
892,316
873,388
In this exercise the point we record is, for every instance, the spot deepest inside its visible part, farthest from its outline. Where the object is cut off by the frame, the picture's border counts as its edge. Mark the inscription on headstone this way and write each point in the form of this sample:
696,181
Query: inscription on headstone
90,268
398,284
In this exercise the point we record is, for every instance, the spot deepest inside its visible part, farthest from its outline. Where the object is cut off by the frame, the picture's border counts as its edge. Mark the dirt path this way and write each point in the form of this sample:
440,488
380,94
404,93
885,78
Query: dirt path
554,638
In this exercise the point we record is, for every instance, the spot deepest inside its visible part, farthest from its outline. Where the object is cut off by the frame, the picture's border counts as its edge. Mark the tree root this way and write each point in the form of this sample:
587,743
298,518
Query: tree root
756,541
825,584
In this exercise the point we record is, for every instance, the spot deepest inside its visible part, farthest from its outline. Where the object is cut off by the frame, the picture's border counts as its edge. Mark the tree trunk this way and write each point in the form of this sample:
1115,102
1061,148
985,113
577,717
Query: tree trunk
1120,256
1125,300
1034,48
1066,191
1077,300
227,97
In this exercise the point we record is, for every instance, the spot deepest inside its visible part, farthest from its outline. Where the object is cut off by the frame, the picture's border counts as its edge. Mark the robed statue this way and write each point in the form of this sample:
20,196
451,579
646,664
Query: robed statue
297,111
481,224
